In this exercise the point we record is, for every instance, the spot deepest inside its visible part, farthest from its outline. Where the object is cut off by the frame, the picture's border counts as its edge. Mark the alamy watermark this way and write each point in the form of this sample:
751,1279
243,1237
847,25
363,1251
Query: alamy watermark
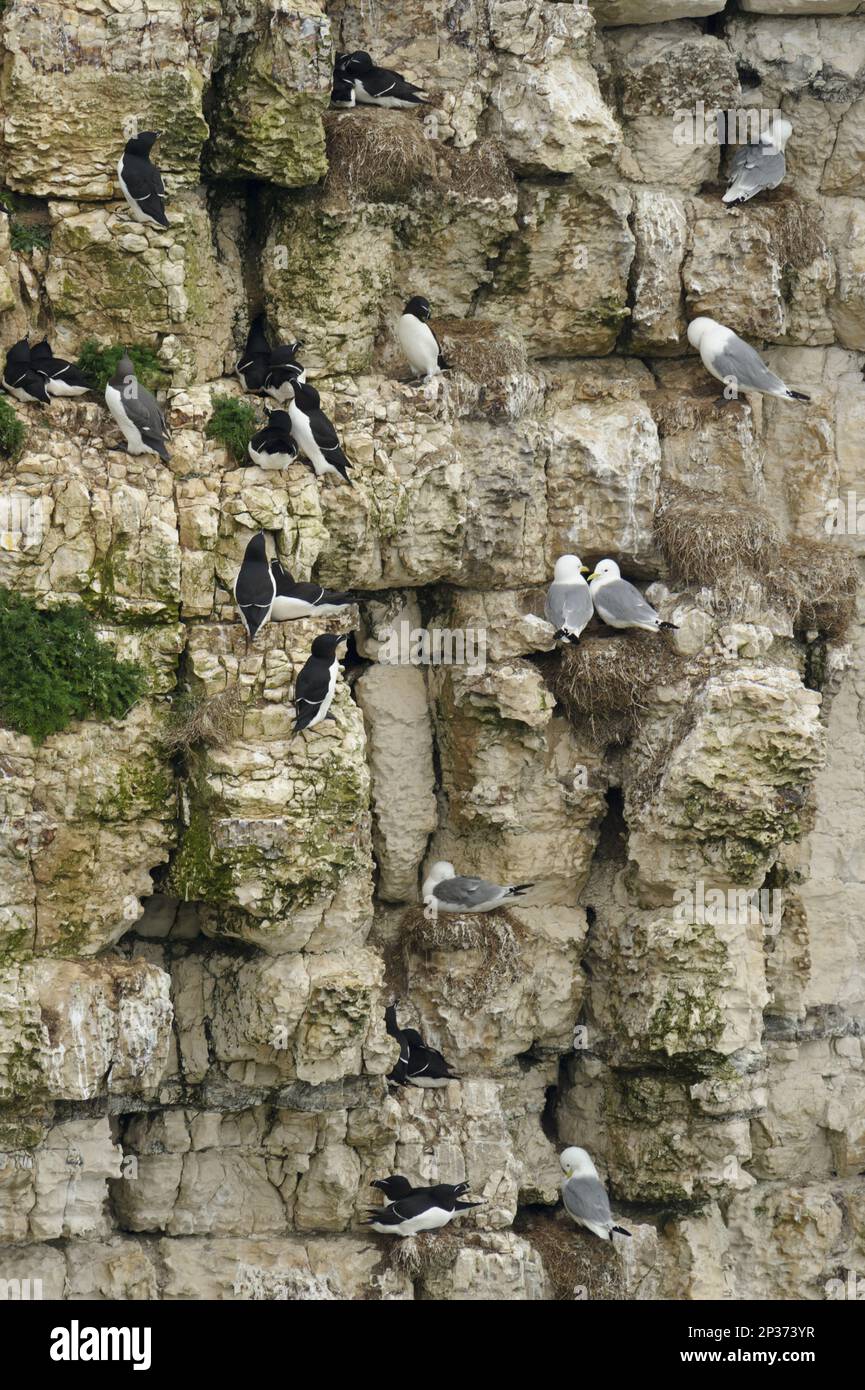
740,125
421,646
729,906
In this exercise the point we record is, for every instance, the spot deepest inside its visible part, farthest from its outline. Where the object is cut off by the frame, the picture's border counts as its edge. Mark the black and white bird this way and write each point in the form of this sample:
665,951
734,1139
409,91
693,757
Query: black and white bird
394,1187
759,165
620,604
422,1209
20,378
141,422
295,599
254,587
418,1064
315,434
140,180
377,86
316,684
342,92
568,605
284,370
444,890
62,378
418,341
585,1196
735,363
273,447
254,363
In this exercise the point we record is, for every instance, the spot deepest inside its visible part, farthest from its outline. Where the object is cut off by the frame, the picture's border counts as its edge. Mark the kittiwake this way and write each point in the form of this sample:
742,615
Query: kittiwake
444,890
734,362
760,165
585,1196
568,603
619,603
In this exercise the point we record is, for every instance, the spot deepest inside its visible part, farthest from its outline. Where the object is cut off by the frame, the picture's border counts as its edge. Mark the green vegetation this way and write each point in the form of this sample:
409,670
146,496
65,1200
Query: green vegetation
100,363
233,423
13,432
56,670
25,237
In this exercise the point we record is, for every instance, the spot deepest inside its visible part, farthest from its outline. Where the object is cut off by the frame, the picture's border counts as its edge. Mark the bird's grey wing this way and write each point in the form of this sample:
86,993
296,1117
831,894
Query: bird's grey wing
142,410
586,1200
747,368
756,167
568,605
622,601
464,892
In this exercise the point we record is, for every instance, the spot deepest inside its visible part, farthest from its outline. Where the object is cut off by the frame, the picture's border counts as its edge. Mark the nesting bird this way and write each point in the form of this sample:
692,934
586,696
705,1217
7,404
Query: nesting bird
619,603
62,378
315,434
273,447
284,370
734,362
568,604
760,165
421,1209
396,1186
141,422
342,92
418,1064
255,587
585,1196
444,890
295,599
316,685
140,180
20,378
418,341
375,86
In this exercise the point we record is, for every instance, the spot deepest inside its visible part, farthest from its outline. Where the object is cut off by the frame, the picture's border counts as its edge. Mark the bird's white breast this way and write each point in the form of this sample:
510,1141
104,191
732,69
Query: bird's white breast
417,341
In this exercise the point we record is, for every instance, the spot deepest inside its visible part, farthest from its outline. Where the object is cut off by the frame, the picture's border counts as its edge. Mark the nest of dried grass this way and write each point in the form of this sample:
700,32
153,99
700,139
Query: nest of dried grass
704,537
817,582
795,227
485,351
605,681
212,721
428,1252
496,935
577,1264
377,155
481,171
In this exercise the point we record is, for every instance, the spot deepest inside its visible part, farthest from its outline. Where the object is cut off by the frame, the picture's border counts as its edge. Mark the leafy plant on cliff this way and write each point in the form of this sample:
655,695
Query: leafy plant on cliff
233,423
55,669
25,237
100,363
13,432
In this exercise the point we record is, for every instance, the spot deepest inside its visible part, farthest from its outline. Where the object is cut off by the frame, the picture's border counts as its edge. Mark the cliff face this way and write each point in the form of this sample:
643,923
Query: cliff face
197,949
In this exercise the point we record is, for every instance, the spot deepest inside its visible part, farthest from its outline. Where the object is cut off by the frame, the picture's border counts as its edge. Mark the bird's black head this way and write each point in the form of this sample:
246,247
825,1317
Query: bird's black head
325,646
305,395
280,420
390,1015
418,306
393,1187
256,549
284,354
19,352
142,143
41,351
358,63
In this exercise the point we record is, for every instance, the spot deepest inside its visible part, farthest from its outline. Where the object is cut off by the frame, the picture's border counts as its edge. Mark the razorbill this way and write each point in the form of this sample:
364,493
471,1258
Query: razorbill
585,1196
378,86
136,412
394,1187
734,362
21,379
620,604
422,1209
140,180
418,1064
254,587
568,604
444,890
342,92
62,378
758,166
273,447
417,340
299,600
284,371
252,367
315,434
315,686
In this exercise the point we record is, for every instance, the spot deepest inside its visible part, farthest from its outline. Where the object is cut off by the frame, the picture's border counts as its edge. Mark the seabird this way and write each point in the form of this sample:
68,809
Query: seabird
585,1196
21,379
447,891
342,92
394,1187
422,1209
141,421
254,364
418,341
254,587
377,86
284,370
758,166
273,447
315,686
140,180
619,603
298,600
568,604
315,434
62,378
418,1064
734,362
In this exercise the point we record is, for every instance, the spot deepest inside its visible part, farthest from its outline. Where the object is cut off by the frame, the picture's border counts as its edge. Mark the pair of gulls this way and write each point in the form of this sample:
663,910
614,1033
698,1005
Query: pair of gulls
409,1210
572,600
